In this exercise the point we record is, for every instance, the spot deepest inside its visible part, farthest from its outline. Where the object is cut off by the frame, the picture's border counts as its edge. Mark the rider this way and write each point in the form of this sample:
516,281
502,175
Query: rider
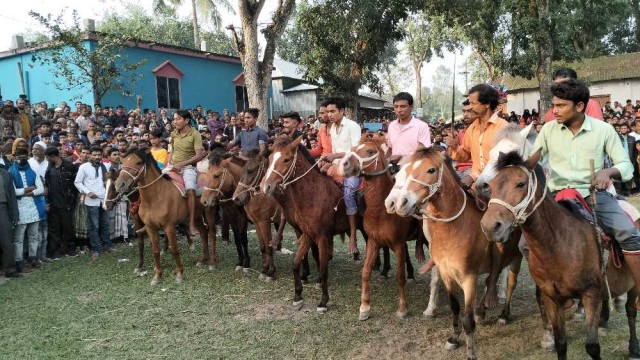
324,137
570,142
593,107
406,132
252,136
187,150
345,134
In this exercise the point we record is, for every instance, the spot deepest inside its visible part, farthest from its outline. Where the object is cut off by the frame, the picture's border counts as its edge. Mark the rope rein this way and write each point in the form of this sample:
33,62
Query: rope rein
519,211
434,189
218,191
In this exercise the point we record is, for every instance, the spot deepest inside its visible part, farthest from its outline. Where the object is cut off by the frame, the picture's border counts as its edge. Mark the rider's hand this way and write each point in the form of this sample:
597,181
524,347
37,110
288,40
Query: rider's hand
451,142
395,158
177,167
92,195
328,158
602,179
467,181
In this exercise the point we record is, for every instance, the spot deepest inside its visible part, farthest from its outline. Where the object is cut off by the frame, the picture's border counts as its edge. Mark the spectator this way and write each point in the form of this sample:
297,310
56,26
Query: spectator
8,218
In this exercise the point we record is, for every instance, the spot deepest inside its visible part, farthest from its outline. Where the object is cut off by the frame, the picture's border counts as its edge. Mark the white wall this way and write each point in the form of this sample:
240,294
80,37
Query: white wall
619,90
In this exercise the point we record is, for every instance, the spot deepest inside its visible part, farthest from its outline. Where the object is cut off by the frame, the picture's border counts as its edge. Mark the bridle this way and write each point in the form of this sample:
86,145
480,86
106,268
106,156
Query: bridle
434,189
255,184
365,162
519,211
290,171
218,191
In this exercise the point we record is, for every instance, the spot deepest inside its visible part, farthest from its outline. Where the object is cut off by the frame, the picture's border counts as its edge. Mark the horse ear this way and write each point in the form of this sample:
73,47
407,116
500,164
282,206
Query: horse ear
525,132
421,146
530,163
294,144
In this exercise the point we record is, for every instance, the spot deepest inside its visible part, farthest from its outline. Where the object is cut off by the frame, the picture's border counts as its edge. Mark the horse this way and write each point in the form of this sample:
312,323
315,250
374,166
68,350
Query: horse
162,206
218,190
458,247
319,218
384,230
564,253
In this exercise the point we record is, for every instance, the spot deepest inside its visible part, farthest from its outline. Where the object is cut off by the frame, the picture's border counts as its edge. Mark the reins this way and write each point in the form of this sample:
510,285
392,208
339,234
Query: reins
519,211
365,162
255,184
218,191
434,189
290,172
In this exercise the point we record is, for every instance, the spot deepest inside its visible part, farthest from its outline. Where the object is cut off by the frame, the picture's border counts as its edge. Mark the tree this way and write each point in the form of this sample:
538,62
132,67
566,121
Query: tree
165,27
294,42
101,65
207,7
347,40
257,74
393,71
438,98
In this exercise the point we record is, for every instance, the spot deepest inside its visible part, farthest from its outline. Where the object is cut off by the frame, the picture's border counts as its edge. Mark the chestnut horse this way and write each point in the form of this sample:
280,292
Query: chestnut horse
384,230
564,253
218,191
162,206
458,247
318,208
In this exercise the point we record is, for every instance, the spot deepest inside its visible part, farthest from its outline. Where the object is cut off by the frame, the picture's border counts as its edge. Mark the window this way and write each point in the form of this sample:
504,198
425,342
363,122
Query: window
168,92
242,99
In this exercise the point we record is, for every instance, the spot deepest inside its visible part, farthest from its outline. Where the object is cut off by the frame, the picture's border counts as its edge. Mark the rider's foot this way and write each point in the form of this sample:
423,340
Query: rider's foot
427,267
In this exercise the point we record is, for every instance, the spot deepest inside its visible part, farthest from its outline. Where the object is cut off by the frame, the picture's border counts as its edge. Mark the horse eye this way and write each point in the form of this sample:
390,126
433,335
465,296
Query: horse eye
370,151
431,171
521,185
139,163
216,176
285,161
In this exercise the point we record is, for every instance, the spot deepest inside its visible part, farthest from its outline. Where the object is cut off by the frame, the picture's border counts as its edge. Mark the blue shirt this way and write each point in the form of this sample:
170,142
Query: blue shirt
250,139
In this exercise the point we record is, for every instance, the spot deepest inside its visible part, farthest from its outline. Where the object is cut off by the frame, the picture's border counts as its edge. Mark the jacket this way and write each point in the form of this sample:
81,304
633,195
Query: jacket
10,190
69,172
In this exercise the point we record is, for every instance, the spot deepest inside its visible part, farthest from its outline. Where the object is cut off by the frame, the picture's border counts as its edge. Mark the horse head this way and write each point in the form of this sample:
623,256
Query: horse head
424,179
134,166
252,173
513,188
366,158
510,138
219,180
390,201
282,163
111,196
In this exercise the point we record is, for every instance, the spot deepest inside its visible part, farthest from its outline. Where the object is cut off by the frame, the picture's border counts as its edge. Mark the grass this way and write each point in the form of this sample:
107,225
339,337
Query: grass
78,309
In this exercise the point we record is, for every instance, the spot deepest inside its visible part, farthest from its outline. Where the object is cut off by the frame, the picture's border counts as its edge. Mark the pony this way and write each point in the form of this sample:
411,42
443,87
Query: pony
218,190
565,258
458,247
384,230
162,206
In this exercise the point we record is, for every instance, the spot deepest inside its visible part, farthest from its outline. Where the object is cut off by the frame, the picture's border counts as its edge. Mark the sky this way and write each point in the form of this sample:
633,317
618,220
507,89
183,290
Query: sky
18,21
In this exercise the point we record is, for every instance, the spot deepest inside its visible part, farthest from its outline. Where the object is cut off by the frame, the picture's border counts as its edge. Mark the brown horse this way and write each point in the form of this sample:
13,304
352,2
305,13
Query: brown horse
564,253
384,230
458,247
162,206
218,191
320,216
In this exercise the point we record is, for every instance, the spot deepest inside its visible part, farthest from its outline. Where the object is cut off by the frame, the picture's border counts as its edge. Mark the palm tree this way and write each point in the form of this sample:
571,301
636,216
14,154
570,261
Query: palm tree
207,7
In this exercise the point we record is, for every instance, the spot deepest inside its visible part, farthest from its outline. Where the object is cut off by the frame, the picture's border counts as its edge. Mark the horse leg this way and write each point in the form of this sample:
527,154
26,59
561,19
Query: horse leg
512,281
386,265
316,257
555,313
592,301
138,270
547,341
630,307
170,232
263,229
603,321
204,257
409,265
433,294
378,264
401,254
469,321
324,245
453,342
244,241
239,249
155,249
209,244
302,252
203,231
370,258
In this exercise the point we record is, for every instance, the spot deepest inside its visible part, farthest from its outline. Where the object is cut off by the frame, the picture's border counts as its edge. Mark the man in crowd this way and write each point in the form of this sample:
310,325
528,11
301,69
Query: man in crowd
186,143
324,137
252,137
39,164
592,108
119,118
8,218
290,123
232,130
90,183
59,181
406,132
27,122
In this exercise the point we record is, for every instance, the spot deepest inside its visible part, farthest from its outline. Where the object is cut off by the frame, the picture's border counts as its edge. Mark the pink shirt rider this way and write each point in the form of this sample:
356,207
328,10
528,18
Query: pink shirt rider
404,140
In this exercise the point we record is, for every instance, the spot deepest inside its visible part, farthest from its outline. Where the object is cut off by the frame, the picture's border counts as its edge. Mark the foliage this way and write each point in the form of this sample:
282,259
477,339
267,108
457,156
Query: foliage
77,63
209,8
164,27
437,98
294,42
347,40
394,72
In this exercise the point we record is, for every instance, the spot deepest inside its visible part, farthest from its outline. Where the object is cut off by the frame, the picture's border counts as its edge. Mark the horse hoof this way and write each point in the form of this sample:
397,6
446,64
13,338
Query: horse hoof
137,271
245,270
479,319
547,343
578,316
401,315
179,280
192,247
268,278
363,316
262,276
161,252
318,286
155,282
321,309
633,357
602,331
212,267
502,321
451,345
410,280
199,264
428,314
297,305
383,276
238,268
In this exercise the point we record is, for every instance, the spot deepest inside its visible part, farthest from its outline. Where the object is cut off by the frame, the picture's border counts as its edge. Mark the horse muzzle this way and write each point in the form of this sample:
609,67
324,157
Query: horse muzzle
496,230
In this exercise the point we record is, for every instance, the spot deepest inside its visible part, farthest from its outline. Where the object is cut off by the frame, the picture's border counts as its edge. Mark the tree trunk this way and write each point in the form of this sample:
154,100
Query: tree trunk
196,30
545,47
257,74
417,67
635,4
487,66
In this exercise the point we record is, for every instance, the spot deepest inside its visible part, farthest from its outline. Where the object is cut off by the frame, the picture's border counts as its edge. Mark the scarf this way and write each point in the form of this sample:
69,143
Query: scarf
30,175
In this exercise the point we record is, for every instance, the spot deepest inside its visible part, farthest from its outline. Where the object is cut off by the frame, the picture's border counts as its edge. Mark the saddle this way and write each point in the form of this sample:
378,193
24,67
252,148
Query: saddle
574,202
177,180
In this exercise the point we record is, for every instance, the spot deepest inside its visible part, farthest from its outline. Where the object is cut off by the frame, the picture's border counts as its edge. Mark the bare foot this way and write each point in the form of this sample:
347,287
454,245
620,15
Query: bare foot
353,248
491,297
427,267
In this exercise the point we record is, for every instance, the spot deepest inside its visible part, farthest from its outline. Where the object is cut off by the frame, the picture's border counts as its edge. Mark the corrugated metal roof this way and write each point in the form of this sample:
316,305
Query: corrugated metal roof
287,69
604,68
301,87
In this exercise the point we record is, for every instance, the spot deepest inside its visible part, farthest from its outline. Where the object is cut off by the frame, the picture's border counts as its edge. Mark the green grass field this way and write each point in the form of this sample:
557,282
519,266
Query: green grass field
78,309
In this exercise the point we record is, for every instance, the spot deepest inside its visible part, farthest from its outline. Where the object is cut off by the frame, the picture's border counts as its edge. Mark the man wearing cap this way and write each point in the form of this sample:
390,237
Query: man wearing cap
39,165
26,120
8,117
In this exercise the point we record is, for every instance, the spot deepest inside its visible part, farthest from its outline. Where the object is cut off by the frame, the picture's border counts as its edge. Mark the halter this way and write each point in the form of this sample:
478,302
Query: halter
255,184
290,172
433,189
519,211
365,162
218,191
139,172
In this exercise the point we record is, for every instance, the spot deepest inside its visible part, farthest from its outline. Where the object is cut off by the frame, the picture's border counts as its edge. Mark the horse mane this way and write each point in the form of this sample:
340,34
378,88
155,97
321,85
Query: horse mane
512,132
514,159
437,155
145,155
281,142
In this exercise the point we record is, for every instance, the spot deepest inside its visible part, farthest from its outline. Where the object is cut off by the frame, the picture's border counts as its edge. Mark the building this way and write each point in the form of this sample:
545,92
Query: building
610,78
172,77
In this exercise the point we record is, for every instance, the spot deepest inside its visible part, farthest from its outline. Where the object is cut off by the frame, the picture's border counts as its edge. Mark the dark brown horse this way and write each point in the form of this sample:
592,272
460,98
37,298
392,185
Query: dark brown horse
317,206
162,206
458,247
564,254
218,191
384,230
